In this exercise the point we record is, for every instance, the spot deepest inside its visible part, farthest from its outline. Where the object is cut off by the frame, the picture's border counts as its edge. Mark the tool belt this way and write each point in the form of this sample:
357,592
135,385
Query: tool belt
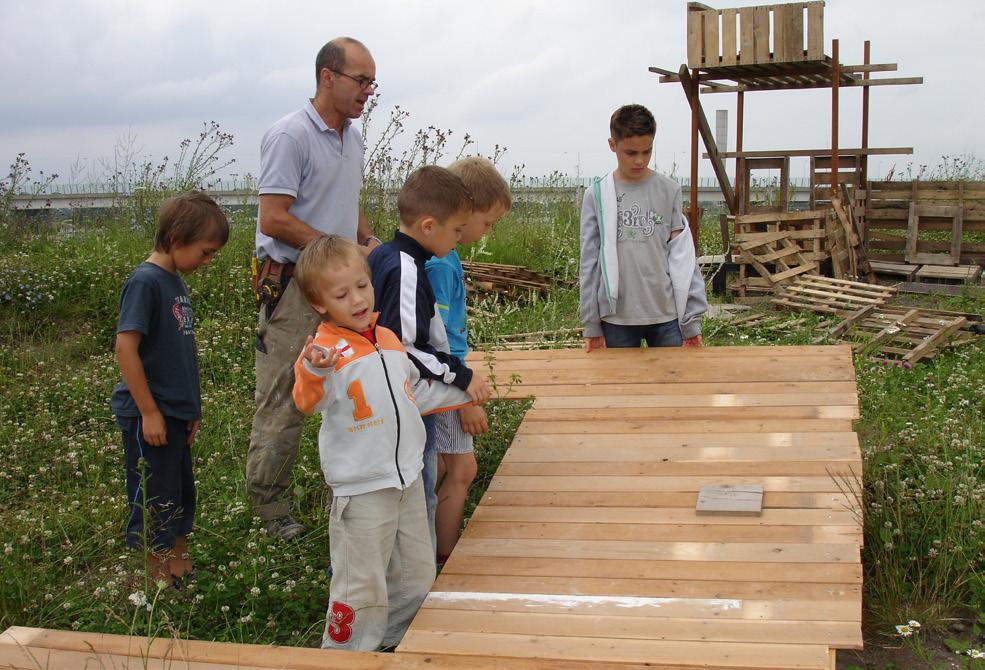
268,279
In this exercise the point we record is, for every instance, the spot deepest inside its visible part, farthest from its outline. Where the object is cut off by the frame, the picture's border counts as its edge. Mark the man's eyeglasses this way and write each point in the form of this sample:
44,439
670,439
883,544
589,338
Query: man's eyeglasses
364,83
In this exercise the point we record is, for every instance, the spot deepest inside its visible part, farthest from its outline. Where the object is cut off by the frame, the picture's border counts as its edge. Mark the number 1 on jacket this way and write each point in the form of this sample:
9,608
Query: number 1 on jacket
360,411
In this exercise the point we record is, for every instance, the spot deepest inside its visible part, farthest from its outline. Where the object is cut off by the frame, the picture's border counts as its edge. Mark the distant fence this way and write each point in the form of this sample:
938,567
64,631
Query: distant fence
242,193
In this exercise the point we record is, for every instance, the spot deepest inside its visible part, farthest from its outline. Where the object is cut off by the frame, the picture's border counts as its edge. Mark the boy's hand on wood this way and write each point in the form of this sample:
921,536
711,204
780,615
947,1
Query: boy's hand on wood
319,357
473,420
692,341
478,390
594,343
193,427
154,429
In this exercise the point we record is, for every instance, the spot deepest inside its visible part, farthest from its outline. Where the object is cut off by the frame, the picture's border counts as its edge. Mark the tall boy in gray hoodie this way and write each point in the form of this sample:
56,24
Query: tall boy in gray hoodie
638,274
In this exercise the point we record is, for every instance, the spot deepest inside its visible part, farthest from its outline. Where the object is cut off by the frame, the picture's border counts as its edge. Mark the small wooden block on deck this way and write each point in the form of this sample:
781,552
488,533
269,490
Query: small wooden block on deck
745,499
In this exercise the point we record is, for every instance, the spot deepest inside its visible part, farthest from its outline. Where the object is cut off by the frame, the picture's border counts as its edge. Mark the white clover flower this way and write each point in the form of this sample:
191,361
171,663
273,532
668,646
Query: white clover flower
138,598
224,609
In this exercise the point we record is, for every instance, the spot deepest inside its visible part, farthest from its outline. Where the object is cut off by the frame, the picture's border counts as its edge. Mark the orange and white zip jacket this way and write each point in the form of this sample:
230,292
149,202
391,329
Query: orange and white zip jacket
371,402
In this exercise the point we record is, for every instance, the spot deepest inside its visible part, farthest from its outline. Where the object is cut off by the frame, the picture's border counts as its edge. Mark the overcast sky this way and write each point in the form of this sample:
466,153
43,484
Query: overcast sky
540,78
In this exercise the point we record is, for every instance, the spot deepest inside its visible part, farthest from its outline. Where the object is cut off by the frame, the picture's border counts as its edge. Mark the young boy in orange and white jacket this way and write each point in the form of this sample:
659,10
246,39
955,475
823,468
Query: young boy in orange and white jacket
371,442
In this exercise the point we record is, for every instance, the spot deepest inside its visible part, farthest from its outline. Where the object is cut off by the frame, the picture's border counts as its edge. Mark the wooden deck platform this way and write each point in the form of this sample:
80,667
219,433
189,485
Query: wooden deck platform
586,550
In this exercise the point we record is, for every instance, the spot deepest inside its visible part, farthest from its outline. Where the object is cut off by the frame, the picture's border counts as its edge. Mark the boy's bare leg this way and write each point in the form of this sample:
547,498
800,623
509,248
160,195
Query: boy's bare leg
180,562
159,567
460,471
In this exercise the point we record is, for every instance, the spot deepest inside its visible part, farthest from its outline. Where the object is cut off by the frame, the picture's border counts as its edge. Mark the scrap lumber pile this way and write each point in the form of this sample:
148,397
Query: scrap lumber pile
510,281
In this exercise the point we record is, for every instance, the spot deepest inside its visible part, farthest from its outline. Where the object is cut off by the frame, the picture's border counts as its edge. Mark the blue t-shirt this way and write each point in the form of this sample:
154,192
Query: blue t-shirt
155,303
448,281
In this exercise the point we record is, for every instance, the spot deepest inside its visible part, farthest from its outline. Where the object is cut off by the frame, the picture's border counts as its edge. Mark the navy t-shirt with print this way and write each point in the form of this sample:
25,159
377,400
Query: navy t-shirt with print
155,303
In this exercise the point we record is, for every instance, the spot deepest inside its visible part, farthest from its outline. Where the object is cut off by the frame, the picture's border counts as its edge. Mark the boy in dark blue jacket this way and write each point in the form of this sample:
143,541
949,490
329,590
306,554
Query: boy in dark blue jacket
434,206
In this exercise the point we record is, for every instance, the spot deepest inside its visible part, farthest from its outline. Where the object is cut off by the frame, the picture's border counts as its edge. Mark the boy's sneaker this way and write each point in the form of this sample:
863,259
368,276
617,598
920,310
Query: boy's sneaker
286,528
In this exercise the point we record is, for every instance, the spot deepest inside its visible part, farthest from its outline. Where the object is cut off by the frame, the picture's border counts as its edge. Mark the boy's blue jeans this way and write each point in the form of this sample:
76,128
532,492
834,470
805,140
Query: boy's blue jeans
655,335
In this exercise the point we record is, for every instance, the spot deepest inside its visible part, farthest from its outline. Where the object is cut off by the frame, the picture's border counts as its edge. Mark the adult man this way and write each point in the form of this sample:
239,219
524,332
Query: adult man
311,165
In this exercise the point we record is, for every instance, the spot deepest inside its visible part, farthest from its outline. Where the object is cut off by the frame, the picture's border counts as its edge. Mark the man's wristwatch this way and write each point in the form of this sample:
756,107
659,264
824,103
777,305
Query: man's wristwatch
372,237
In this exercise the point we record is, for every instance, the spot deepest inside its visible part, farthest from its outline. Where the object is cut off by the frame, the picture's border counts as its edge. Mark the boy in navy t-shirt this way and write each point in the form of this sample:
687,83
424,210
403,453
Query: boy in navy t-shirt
158,403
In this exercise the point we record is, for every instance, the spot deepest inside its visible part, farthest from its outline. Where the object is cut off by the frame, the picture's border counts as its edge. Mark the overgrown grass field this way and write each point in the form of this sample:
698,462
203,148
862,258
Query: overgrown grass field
62,498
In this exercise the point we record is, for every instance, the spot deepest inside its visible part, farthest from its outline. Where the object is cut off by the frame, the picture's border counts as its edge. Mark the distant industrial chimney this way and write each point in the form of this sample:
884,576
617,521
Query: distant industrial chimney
721,129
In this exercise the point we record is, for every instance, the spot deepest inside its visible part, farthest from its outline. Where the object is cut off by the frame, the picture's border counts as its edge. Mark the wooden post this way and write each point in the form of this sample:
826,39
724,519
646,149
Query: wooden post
693,219
835,77
740,104
865,120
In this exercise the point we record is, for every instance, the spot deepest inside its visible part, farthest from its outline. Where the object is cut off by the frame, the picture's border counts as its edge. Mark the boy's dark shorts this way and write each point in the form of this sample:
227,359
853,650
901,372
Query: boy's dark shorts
168,496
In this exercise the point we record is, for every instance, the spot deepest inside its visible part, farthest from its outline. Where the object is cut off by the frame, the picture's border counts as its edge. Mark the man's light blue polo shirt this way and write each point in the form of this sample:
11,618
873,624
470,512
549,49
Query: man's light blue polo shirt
302,157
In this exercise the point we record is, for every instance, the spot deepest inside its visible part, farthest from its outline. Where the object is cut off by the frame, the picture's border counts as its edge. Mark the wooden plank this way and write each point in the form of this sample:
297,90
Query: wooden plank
710,532
685,608
689,484
729,51
685,426
815,31
599,447
19,657
792,153
686,413
788,32
693,400
636,588
503,496
695,37
654,652
713,468
710,46
629,515
618,568
844,634
662,354
71,649
747,50
761,34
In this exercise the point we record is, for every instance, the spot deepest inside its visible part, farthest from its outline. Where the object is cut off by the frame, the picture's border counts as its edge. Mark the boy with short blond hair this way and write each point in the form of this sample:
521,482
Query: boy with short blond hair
434,206
638,275
450,437
357,374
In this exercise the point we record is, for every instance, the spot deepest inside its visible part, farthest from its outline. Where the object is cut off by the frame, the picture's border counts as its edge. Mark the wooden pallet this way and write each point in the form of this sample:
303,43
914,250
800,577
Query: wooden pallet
953,214
903,270
825,295
887,219
902,333
958,273
805,228
773,255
